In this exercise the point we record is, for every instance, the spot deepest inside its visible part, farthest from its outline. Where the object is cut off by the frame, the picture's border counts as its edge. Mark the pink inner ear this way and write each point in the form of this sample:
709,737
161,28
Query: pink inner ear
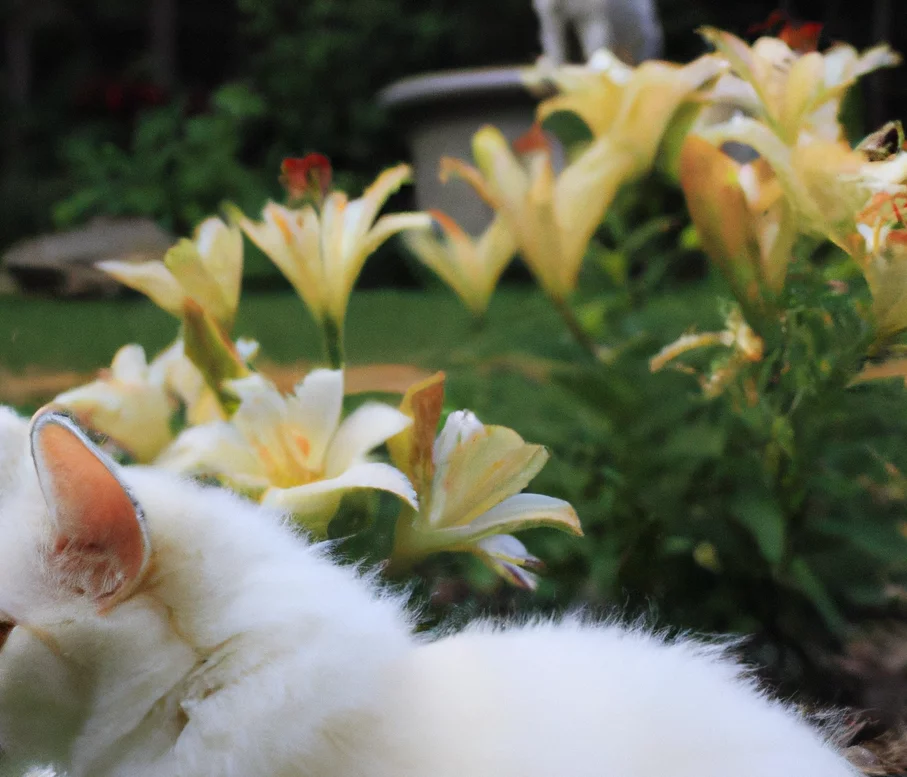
100,534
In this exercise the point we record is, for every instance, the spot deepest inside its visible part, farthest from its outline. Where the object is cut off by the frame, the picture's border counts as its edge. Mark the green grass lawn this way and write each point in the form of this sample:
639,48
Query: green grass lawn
423,328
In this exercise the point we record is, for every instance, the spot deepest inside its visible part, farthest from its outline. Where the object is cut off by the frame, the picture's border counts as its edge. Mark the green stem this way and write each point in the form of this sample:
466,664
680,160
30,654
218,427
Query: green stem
403,555
333,342
412,545
582,337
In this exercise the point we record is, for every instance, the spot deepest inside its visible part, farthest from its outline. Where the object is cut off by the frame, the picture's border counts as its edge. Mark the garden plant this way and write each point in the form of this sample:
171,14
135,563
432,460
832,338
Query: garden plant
733,450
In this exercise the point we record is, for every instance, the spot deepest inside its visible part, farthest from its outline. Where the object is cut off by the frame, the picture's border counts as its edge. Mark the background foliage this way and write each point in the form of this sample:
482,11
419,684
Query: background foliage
256,80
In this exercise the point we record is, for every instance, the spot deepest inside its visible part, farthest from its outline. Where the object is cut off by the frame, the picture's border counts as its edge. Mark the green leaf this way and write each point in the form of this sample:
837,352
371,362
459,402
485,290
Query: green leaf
881,541
762,516
804,580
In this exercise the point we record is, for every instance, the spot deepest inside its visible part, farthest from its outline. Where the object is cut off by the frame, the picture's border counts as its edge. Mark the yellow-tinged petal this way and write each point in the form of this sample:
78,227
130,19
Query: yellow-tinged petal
448,258
126,405
384,228
798,92
173,369
314,410
782,159
221,248
583,193
315,504
457,168
186,264
803,92
218,450
592,91
130,365
471,267
892,368
476,468
526,199
516,513
292,240
719,210
885,269
209,269
652,97
373,199
763,70
412,449
152,279
596,102
682,345
508,182
367,427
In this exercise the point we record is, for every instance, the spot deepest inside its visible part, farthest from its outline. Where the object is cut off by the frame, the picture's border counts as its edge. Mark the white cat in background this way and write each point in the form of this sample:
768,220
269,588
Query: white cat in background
629,28
157,628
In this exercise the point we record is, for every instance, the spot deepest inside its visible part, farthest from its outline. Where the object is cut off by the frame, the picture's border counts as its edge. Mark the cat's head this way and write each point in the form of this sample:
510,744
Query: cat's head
66,511
73,548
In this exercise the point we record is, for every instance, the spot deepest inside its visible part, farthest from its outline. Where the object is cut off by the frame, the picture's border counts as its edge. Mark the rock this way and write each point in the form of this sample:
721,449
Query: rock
63,263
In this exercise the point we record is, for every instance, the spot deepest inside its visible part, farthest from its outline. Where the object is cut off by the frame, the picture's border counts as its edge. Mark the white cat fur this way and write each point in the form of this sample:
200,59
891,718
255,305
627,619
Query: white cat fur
247,652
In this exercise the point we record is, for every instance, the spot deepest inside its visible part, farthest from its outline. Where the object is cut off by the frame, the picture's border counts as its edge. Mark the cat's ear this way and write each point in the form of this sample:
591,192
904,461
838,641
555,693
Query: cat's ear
100,543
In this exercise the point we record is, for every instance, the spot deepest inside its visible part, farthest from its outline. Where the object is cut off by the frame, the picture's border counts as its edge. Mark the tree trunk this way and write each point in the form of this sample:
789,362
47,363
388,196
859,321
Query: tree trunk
18,59
162,24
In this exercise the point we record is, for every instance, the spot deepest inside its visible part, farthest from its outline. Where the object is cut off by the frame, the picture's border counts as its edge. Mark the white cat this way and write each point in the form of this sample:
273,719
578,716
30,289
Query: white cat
630,28
156,628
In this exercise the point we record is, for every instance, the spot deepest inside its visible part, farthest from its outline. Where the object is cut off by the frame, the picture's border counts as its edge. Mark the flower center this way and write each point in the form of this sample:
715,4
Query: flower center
286,460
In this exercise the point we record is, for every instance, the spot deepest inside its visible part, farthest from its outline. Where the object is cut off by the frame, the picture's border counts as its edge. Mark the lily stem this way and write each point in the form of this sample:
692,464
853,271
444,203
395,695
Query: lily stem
582,337
333,342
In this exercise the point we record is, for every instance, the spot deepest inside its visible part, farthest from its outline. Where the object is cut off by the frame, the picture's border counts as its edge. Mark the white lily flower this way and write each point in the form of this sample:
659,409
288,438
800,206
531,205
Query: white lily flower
470,266
322,252
469,481
293,452
129,403
208,270
792,91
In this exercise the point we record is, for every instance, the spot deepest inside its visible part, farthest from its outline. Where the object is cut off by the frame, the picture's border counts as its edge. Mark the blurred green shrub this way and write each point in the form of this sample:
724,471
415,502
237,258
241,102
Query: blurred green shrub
177,169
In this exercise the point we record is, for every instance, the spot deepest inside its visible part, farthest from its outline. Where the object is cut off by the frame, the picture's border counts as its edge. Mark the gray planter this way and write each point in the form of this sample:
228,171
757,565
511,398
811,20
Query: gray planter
440,112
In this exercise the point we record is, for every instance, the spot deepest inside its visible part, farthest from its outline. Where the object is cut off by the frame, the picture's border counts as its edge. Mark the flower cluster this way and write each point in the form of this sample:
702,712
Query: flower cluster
199,408
777,100
750,133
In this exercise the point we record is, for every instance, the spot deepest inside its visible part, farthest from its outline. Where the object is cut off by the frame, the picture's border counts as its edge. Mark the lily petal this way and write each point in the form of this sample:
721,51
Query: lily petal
130,364
152,279
486,466
316,407
316,503
390,225
292,240
470,268
135,416
412,449
217,450
373,199
129,404
508,557
362,431
221,248
523,511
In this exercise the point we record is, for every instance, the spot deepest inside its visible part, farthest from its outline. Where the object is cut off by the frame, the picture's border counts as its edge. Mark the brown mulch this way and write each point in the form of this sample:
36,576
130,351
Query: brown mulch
878,751
35,386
